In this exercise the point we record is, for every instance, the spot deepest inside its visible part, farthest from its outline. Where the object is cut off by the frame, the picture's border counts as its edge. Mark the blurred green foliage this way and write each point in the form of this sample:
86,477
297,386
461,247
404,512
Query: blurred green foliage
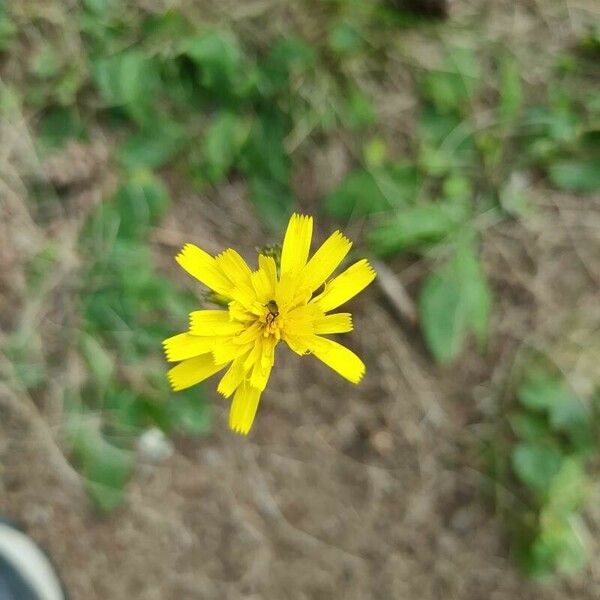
544,463
206,104
127,309
464,176
455,301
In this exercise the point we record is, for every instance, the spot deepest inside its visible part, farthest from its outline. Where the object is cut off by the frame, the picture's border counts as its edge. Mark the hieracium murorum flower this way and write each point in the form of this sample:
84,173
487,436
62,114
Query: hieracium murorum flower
267,306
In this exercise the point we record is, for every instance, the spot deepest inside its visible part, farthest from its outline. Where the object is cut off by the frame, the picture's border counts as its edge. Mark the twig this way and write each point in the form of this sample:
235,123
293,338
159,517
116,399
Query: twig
395,292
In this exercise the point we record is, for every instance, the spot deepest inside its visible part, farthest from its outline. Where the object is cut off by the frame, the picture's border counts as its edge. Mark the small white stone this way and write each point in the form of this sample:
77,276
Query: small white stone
154,446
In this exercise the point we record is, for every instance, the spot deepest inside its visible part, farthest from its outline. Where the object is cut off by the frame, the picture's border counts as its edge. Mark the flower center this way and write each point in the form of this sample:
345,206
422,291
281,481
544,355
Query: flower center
272,311
272,323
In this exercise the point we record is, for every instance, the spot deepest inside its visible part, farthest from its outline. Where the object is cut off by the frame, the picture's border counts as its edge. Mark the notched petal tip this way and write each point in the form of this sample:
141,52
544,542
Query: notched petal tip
184,252
236,426
167,351
340,238
370,268
368,271
172,382
240,431
359,376
300,217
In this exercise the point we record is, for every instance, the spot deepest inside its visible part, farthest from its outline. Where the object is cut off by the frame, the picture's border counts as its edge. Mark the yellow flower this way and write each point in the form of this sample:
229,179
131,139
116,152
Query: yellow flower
265,308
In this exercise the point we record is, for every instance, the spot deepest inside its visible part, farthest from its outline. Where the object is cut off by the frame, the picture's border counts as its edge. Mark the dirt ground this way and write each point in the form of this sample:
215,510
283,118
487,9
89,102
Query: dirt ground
355,492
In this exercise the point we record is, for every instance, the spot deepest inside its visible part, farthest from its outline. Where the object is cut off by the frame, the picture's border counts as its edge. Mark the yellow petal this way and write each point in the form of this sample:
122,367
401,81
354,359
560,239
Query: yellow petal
336,323
297,343
250,334
192,371
213,322
337,357
296,244
345,286
325,260
243,408
286,289
265,279
264,363
202,266
233,377
237,312
301,320
235,269
182,346
229,350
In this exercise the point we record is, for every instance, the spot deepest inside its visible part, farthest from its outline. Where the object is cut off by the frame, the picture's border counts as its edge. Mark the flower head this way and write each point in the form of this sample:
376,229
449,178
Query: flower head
267,307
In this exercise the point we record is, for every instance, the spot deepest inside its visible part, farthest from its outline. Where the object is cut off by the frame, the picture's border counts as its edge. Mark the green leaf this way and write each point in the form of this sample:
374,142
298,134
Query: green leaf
529,427
164,30
536,464
435,127
287,58
559,126
153,146
344,38
128,79
542,391
511,89
73,78
273,202
557,548
364,192
450,89
413,227
418,227
568,489
59,125
125,410
576,175
8,29
375,153
105,467
572,417
99,360
357,111
98,7
128,303
218,56
45,63
190,413
222,142
455,300
446,91
264,153
447,142
457,186
357,196
137,205
140,203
